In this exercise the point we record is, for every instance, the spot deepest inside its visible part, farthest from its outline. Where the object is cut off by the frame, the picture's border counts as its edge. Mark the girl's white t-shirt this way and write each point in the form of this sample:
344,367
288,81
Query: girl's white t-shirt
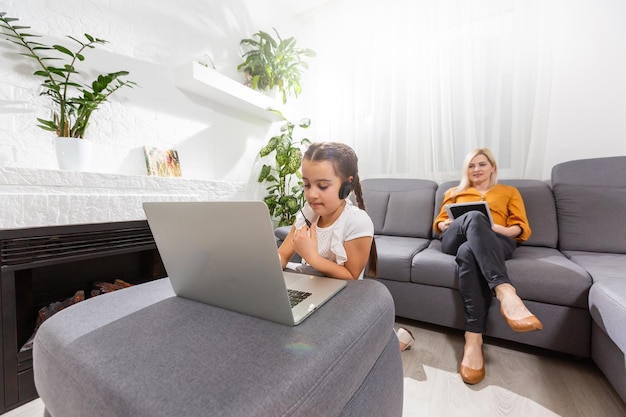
352,223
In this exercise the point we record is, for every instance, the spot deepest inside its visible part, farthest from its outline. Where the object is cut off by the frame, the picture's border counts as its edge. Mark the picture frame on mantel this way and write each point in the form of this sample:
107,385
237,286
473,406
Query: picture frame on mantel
162,162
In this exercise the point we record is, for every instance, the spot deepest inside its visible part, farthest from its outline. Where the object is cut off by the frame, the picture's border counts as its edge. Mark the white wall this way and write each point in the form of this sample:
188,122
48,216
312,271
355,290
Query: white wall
587,117
148,39
588,112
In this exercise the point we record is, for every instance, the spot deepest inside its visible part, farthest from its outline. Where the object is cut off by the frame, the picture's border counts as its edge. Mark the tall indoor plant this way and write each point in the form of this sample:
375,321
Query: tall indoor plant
274,63
72,103
283,178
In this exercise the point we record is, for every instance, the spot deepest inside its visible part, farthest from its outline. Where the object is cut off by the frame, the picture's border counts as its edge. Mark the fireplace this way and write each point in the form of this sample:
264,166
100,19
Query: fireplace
41,265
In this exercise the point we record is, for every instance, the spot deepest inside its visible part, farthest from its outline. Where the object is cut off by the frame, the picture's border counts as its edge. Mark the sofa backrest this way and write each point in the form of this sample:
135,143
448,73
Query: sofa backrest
540,209
400,206
590,196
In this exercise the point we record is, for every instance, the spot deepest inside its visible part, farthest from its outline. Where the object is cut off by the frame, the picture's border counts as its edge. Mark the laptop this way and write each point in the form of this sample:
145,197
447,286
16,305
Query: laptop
458,209
224,253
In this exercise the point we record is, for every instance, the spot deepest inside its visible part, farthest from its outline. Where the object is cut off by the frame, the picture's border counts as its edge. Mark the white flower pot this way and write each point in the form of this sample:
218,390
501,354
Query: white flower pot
73,154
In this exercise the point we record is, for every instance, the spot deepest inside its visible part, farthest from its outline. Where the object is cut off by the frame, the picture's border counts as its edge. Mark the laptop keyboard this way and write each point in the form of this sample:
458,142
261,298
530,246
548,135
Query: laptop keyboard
296,297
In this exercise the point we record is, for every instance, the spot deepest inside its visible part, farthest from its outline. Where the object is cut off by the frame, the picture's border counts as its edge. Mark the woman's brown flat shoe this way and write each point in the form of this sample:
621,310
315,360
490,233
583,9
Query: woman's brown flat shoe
472,376
527,324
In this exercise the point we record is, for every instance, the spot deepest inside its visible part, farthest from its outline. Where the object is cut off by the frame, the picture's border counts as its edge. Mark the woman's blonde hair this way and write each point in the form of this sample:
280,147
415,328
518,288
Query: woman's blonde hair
465,182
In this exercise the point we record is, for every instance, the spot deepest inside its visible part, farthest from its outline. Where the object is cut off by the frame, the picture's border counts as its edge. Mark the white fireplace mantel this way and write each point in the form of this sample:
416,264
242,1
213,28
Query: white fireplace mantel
33,197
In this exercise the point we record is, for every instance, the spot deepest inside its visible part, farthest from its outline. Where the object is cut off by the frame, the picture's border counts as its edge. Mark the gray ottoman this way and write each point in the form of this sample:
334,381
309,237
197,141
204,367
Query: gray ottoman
142,351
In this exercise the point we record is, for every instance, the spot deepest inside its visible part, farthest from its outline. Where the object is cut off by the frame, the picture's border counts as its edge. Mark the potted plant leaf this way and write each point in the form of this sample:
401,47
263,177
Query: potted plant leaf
274,63
283,177
72,103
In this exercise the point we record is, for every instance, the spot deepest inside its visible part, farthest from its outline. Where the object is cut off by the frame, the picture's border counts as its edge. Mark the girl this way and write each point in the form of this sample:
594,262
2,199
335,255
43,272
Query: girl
480,250
332,236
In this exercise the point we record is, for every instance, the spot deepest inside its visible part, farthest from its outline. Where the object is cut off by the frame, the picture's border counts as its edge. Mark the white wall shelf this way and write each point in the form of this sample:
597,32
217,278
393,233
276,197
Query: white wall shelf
207,82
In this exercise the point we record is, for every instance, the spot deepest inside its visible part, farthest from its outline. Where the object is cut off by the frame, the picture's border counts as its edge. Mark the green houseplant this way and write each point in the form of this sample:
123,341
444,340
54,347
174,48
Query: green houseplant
72,103
284,198
271,63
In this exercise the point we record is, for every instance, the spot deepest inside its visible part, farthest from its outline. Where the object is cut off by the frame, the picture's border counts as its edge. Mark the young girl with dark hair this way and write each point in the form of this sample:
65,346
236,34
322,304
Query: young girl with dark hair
332,236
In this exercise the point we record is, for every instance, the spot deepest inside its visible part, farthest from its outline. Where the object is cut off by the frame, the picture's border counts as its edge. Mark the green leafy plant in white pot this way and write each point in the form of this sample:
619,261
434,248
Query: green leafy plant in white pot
285,193
72,103
274,63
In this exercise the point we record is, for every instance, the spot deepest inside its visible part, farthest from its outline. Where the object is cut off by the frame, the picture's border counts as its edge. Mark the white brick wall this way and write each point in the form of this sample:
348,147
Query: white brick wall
35,197
217,149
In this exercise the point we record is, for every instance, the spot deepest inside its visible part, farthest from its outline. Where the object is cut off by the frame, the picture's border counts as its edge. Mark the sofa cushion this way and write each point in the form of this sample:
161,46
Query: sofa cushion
588,220
607,305
441,191
433,267
376,203
596,172
546,275
395,254
400,206
538,274
281,233
539,204
540,210
588,192
600,265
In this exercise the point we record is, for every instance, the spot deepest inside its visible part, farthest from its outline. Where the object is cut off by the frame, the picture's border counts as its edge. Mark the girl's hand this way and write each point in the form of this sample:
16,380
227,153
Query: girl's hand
305,241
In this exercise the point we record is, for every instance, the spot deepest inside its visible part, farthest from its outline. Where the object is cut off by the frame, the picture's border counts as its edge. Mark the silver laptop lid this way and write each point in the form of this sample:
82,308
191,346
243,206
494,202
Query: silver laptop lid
223,254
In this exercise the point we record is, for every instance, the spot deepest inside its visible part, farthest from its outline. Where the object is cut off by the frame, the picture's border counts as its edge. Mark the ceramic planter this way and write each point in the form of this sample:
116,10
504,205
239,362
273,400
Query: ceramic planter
73,154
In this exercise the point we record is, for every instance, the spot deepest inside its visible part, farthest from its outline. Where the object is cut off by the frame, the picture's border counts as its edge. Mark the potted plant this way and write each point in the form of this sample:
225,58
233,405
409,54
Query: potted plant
284,197
72,103
274,63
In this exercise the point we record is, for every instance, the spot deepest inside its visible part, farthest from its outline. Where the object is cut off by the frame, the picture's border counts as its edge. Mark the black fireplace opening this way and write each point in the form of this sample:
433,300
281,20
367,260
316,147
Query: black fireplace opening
41,266
39,287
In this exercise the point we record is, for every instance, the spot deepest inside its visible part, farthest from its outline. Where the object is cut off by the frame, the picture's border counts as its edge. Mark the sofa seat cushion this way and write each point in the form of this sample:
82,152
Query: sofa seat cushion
539,274
546,275
599,265
142,351
433,267
607,305
395,254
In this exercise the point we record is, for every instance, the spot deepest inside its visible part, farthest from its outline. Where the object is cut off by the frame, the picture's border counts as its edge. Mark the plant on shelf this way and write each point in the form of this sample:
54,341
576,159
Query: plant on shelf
274,63
72,103
284,197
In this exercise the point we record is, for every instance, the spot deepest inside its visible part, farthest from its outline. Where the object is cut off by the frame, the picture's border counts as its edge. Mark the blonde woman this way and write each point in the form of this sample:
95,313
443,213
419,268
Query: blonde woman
480,250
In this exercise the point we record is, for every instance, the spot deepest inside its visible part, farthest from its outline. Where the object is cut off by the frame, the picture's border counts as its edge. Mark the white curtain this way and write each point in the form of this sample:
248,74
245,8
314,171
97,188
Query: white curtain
414,85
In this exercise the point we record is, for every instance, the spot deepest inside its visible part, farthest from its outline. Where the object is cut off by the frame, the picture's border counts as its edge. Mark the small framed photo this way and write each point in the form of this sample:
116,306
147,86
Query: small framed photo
162,162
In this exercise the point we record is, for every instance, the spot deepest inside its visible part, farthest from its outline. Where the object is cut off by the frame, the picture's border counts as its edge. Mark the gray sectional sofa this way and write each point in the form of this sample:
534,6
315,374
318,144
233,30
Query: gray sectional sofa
590,198
571,272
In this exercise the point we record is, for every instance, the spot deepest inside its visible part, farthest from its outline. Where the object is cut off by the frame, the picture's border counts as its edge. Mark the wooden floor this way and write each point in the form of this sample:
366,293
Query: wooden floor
520,382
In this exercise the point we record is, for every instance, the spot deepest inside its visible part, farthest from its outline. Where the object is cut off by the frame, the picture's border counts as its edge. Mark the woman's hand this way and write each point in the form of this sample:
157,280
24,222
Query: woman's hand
444,225
513,231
